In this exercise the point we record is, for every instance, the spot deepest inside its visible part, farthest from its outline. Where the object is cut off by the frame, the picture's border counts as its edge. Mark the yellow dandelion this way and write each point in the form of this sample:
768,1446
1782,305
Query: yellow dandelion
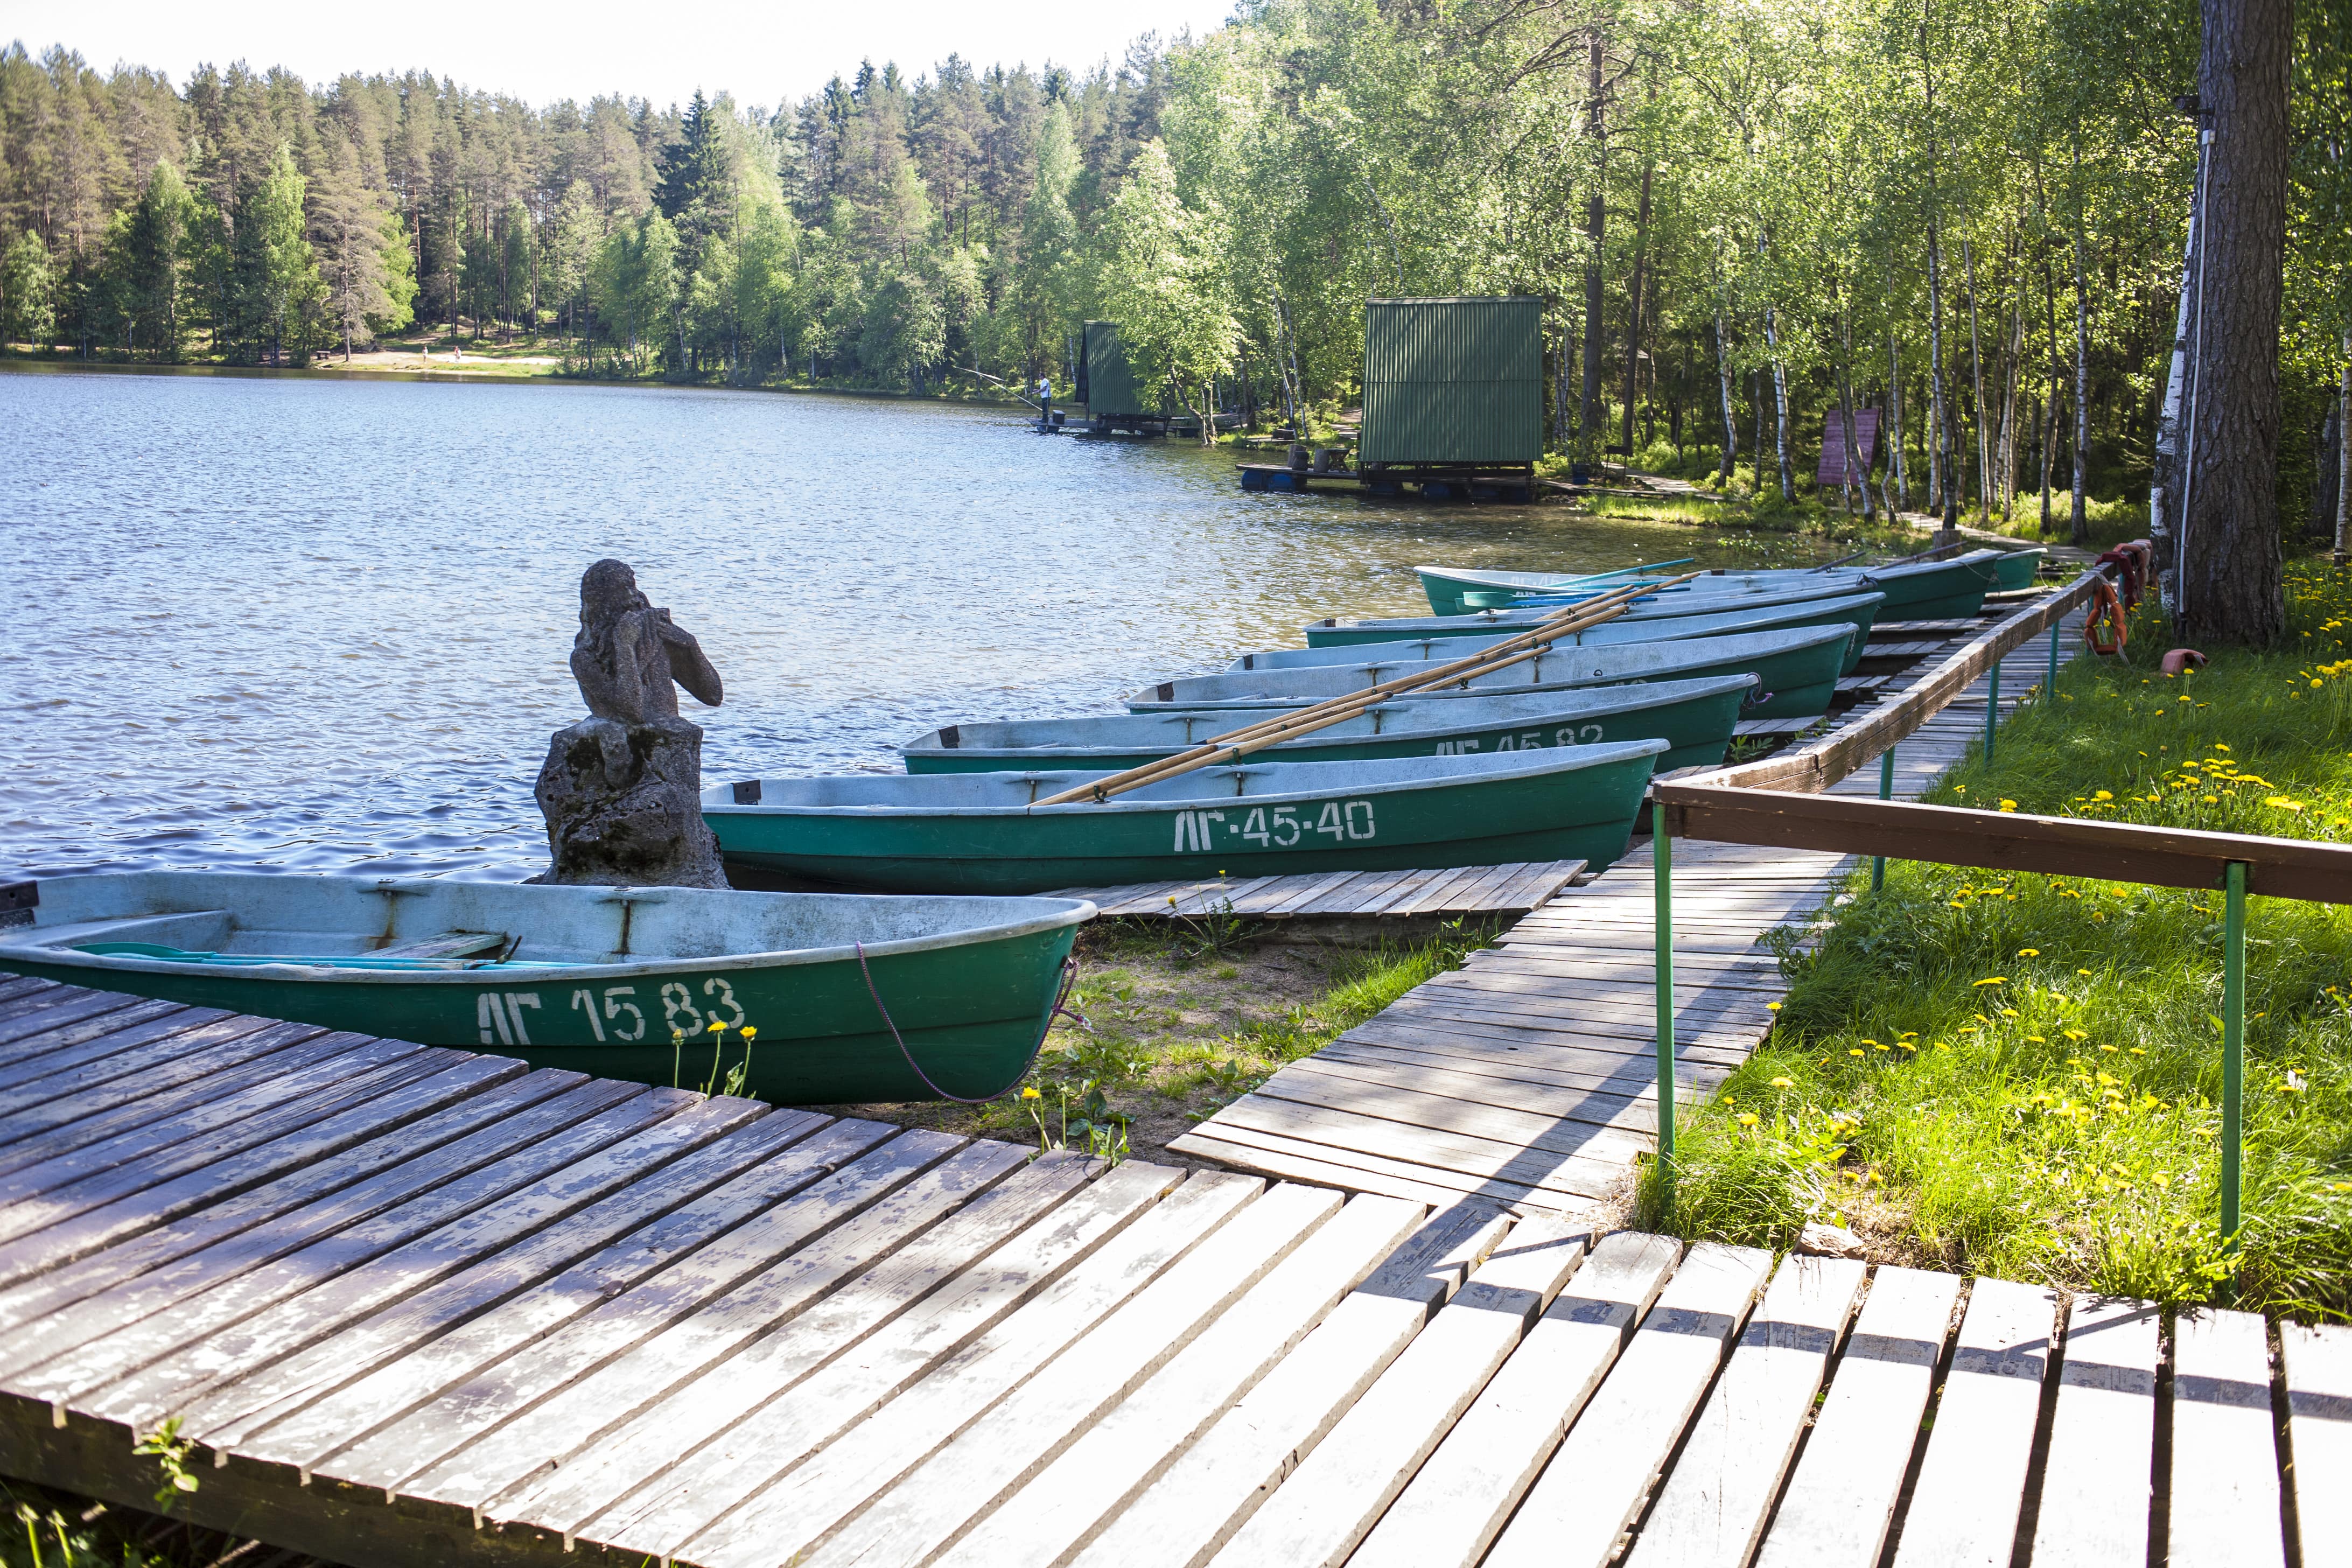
1747,1118
2029,953
1993,980
1031,1093
1784,1083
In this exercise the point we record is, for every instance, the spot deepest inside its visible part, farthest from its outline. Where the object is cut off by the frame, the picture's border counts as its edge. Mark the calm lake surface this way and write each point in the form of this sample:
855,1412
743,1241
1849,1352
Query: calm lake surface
301,623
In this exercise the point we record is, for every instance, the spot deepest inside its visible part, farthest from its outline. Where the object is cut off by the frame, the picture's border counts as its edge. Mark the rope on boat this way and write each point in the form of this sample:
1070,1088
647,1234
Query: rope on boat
1069,978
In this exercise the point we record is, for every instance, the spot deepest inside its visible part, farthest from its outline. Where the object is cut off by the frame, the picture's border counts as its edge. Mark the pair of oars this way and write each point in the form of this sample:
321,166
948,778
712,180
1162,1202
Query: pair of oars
1237,743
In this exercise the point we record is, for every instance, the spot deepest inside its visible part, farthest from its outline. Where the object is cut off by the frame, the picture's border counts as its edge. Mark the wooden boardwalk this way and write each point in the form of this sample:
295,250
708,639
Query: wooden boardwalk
421,1305
1512,890
1527,1078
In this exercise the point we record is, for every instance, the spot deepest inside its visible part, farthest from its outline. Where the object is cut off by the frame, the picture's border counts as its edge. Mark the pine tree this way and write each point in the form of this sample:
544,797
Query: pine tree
158,246
367,279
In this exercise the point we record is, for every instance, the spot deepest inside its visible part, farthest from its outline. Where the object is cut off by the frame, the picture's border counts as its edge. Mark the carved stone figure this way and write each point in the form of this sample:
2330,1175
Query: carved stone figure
622,789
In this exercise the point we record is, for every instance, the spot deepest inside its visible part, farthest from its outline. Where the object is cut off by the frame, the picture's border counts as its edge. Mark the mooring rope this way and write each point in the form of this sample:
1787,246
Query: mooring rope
1069,977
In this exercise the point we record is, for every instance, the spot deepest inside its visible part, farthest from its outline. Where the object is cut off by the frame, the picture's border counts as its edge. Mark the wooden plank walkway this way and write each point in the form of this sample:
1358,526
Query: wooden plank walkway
1512,890
1527,1078
458,1312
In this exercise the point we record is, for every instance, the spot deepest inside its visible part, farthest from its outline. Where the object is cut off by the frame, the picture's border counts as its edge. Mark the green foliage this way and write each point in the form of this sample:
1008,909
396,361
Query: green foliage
2019,1074
28,312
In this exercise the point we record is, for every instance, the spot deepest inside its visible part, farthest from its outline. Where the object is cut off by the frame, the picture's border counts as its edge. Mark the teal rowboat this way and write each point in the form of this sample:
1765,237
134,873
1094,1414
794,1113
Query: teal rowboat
1669,604
979,833
2016,569
1694,718
588,979
1921,590
1855,610
1798,669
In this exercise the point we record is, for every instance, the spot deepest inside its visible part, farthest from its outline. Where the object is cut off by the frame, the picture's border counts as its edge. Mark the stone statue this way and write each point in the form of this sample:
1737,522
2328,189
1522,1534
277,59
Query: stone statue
622,789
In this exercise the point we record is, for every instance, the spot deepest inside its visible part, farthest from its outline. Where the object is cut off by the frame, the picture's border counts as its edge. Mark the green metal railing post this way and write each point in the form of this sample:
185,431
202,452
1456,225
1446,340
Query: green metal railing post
1662,868
1886,792
1992,711
2233,1049
2050,688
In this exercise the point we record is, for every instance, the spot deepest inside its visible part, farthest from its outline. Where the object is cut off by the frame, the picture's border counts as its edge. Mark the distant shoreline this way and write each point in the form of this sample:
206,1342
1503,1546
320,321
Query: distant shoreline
487,375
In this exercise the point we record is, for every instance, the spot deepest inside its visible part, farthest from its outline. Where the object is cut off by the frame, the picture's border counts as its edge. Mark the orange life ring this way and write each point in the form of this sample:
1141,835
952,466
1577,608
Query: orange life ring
2103,630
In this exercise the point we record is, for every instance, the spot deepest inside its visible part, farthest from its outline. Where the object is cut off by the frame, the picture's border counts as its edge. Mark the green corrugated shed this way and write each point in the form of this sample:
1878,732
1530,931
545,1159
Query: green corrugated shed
1453,381
1110,385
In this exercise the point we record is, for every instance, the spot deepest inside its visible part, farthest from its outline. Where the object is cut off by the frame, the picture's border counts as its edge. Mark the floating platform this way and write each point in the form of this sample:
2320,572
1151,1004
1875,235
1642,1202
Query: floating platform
1515,486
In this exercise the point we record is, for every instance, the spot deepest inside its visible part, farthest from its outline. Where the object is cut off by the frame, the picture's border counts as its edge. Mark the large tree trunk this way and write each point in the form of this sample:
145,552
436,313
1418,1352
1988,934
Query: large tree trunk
2231,587
1596,218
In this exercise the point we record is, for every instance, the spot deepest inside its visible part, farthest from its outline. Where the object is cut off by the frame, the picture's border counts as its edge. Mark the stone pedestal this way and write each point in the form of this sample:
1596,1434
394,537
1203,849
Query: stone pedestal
623,809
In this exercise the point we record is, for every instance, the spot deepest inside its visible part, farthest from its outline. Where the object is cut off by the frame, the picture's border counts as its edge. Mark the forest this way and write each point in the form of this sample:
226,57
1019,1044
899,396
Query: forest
1965,215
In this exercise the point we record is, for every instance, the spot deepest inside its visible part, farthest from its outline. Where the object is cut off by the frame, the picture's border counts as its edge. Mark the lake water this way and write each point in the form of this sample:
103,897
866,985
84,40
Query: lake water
302,624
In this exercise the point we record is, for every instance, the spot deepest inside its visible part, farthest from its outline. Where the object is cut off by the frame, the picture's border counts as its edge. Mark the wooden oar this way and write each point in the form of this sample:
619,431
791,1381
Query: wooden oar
1332,711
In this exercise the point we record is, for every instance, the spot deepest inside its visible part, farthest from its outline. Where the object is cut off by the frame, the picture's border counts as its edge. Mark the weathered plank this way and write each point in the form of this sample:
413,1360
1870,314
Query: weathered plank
1328,1504
2316,1365
882,1447
891,1320
225,1298
1232,1468
1451,1511
1713,1506
585,1445
128,1280
2095,1482
2225,1464
1067,1502
1464,1154
1351,1169
1023,1435
344,1386
213,1191
1841,1498
1602,1474
1591,1136
1963,1511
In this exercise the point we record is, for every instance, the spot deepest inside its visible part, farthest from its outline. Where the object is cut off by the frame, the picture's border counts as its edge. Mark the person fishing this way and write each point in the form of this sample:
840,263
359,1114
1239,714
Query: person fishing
1044,403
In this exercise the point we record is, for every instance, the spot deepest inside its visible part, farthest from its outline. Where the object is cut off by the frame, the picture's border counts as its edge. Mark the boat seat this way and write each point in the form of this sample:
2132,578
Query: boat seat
447,945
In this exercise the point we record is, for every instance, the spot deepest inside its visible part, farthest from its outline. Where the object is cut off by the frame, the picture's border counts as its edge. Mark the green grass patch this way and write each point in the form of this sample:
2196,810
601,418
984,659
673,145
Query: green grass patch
2020,1075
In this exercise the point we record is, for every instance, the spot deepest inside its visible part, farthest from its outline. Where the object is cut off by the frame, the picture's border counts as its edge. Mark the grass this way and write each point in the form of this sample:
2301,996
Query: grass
41,1527
1182,1018
2020,1075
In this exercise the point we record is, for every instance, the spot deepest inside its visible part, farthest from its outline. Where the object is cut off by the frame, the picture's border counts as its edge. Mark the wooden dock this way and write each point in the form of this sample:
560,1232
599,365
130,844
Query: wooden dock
1509,890
1527,1078
422,1306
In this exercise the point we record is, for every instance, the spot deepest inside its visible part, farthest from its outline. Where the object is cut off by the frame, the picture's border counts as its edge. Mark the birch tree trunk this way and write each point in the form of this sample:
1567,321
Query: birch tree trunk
2231,587
2343,457
1596,219
1943,493
2164,482
1780,409
1898,498
2080,531
1976,375
1723,375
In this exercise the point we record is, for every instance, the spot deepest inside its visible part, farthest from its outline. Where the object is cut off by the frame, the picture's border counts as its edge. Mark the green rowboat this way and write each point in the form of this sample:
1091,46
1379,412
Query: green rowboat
1799,670
588,979
1694,718
1921,590
1669,604
2016,569
979,833
1855,610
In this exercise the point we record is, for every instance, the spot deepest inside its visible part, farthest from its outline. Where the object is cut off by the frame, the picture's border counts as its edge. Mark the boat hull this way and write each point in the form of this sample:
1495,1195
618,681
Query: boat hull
970,1012
1697,728
1501,811
1931,590
1798,670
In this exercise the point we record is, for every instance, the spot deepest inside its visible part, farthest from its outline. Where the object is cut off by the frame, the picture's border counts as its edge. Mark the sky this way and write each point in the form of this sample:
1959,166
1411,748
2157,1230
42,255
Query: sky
762,52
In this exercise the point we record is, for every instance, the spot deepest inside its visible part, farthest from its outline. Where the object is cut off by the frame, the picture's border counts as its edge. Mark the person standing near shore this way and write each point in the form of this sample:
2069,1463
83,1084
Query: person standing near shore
1044,403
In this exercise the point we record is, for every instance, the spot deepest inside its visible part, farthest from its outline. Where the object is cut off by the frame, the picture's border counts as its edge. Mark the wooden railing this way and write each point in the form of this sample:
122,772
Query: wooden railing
1776,802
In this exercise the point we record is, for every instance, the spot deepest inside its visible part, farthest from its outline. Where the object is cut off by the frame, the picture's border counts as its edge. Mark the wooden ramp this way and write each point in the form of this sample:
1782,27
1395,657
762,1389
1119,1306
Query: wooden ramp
420,1306
1512,890
1528,1077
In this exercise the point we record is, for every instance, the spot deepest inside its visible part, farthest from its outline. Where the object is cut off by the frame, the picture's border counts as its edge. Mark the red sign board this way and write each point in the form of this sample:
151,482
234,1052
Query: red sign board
1865,436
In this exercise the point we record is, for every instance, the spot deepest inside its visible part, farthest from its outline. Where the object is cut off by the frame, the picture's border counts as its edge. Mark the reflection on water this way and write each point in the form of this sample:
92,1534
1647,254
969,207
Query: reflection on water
302,624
